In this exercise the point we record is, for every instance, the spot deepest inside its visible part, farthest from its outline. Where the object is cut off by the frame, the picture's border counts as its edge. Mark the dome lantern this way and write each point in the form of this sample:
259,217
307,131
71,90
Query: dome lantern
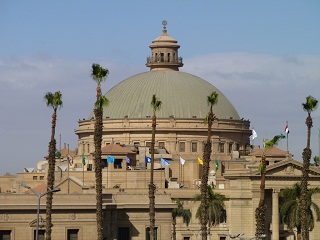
164,52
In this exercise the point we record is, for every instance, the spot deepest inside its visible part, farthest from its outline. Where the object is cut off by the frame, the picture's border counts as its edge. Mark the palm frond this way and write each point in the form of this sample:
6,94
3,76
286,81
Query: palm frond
101,102
98,73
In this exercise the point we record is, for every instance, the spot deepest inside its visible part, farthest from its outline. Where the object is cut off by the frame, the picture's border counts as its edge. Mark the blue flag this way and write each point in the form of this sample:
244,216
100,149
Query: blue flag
147,159
165,162
110,159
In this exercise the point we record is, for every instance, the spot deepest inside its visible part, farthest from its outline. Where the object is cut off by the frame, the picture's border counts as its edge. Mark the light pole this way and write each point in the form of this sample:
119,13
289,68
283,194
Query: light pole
39,196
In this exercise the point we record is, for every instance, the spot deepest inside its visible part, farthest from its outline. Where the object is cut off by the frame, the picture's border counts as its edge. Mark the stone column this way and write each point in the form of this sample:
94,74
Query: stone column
275,214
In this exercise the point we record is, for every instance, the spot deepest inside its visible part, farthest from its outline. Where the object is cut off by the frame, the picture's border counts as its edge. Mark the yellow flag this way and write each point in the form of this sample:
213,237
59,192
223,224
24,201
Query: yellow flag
200,161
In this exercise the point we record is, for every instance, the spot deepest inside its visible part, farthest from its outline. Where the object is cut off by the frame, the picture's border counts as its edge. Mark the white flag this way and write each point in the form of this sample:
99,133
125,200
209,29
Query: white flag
254,135
182,161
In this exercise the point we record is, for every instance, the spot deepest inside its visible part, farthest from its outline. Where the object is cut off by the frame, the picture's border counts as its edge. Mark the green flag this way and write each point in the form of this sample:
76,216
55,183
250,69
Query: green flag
57,154
83,160
217,165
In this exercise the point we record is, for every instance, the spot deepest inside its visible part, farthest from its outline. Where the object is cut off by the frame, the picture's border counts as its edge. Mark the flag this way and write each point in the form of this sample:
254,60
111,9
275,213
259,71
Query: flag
182,161
57,154
110,159
147,159
165,162
217,165
286,129
70,160
200,161
127,159
83,159
254,135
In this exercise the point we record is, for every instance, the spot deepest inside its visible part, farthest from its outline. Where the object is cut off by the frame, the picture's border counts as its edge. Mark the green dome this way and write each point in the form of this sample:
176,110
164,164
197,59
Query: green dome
183,95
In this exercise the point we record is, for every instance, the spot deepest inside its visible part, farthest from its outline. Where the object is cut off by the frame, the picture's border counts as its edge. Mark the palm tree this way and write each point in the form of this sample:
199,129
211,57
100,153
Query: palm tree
155,104
179,211
99,75
290,209
309,106
216,208
261,209
54,101
212,99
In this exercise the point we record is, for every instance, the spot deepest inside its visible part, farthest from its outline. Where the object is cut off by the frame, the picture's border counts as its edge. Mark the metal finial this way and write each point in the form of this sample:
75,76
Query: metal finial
164,23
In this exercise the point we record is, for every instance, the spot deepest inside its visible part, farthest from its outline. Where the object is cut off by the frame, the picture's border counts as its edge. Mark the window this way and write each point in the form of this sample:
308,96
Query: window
117,163
88,148
41,177
148,233
136,144
5,234
221,147
123,233
194,147
107,143
222,238
72,234
186,238
162,145
40,234
168,57
35,178
230,147
89,167
237,147
148,144
182,147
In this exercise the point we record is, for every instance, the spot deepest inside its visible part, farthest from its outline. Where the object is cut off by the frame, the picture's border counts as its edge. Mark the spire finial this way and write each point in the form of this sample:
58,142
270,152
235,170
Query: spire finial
164,23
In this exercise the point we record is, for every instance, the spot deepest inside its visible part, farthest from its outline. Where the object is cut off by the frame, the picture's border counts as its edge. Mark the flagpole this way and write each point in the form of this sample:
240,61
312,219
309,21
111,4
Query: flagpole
180,176
68,170
287,138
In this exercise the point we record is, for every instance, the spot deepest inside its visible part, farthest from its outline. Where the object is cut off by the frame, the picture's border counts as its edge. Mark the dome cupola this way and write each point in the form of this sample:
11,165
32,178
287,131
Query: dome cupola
164,52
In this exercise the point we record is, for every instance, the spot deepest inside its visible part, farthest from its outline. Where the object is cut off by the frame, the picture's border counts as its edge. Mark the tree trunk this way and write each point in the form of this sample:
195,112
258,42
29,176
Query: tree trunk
50,177
260,213
304,183
174,223
152,186
204,180
298,233
98,170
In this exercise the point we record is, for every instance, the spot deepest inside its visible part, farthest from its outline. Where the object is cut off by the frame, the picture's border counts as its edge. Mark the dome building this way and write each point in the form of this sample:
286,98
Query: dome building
180,121
180,134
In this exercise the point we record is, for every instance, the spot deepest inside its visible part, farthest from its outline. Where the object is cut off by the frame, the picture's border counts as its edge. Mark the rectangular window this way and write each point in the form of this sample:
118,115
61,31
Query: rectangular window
5,234
41,234
148,233
35,178
89,167
230,147
221,147
182,146
222,238
186,238
123,233
88,148
107,143
136,144
41,177
117,164
148,144
162,145
72,234
194,147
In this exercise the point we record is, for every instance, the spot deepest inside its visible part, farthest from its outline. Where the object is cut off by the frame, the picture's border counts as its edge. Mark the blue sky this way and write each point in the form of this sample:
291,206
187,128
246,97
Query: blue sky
263,55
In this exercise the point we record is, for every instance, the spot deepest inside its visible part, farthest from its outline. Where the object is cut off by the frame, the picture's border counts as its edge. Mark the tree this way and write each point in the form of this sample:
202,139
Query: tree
291,208
212,100
54,101
179,211
99,75
155,104
316,160
260,214
309,106
216,208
